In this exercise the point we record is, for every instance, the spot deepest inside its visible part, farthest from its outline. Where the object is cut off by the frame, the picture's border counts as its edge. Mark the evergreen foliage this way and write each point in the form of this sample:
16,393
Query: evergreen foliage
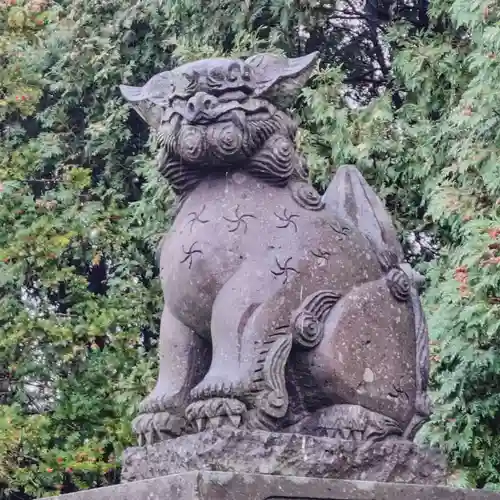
434,158
77,276
82,208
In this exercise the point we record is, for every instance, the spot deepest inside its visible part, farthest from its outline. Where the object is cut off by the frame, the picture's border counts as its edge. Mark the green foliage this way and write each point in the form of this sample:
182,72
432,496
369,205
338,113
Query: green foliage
82,210
458,86
434,158
77,274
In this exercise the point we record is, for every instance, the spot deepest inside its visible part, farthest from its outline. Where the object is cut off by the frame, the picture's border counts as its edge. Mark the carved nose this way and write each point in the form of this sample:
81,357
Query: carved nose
200,102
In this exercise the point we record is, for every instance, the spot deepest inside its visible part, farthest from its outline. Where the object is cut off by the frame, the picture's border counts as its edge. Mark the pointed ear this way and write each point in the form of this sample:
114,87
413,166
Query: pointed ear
148,101
280,79
146,109
132,94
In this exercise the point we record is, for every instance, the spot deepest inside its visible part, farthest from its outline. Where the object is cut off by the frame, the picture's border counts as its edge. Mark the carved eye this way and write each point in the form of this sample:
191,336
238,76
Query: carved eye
234,72
215,78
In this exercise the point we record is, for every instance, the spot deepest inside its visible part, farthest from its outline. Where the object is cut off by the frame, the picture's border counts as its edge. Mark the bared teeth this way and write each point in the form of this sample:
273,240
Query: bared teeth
239,118
175,123
235,420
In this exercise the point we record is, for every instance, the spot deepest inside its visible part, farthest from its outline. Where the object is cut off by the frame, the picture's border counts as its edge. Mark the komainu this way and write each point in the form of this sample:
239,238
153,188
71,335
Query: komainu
284,310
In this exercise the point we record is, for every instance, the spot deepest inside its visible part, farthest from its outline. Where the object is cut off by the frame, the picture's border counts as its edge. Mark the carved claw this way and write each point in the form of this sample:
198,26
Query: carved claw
355,423
215,422
235,420
200,424
215,412
345,433
154,427
357,435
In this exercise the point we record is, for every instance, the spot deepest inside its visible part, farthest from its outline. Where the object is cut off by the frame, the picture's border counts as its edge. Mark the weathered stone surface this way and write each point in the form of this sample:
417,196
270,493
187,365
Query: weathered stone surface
282,308
229,450
292,339
230,486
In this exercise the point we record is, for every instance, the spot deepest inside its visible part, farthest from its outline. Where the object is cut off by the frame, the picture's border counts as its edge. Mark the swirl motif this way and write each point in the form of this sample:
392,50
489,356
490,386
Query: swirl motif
275,162
399,284
282,150
306,196
192,144
225,140
167,137
308,321
308,330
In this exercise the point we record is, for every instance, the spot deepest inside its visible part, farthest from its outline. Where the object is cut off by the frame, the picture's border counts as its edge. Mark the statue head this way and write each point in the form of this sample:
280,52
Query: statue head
218,112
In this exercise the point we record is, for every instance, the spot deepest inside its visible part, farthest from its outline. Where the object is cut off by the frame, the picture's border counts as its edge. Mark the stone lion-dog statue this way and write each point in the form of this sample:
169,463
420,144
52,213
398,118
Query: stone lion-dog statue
284,310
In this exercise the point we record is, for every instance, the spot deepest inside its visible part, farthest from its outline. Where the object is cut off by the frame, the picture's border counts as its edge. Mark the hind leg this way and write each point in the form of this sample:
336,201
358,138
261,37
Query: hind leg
366,358
184,358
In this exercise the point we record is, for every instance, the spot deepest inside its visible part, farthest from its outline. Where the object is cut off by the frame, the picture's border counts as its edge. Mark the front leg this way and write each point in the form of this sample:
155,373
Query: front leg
184,358
251,342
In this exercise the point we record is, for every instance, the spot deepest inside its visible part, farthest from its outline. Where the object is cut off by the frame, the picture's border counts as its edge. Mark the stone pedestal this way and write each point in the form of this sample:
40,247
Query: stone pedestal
286,454
231,486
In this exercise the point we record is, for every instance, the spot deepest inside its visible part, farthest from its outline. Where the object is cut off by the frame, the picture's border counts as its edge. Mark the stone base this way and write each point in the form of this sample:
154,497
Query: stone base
227,486
259,452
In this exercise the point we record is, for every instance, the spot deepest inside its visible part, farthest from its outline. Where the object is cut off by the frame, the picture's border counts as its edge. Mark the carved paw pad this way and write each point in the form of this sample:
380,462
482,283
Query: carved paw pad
355,423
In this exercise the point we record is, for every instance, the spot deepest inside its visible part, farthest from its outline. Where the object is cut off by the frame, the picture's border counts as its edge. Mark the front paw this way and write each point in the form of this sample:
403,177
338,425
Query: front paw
151,428
216,412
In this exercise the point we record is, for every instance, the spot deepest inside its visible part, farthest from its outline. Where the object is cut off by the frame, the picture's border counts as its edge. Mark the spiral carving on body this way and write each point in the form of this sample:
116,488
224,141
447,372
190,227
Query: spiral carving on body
306,196
192,144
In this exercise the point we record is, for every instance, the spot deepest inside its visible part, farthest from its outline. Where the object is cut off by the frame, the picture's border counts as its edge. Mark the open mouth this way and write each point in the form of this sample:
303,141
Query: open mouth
236,95
236,115
231,110
233,107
